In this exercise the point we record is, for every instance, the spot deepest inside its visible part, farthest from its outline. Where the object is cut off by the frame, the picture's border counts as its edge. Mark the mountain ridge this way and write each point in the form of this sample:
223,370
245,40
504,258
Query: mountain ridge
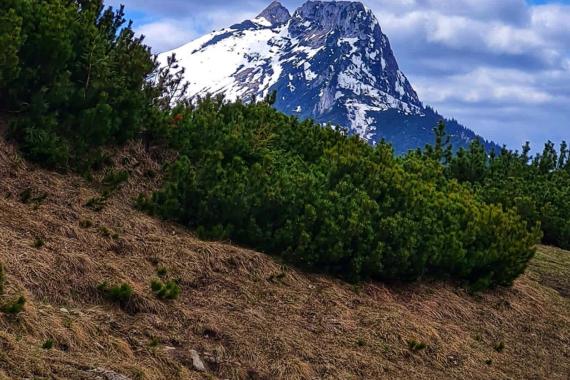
328,61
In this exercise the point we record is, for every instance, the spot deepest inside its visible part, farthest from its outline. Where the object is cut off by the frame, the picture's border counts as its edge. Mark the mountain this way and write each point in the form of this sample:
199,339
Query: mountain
329,61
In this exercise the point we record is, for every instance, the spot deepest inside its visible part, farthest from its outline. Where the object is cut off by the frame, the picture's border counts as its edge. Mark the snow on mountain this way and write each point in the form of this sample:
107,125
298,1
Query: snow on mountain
329,61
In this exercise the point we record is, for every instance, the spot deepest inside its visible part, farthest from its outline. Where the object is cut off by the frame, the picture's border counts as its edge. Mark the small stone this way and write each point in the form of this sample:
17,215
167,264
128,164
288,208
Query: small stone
64,310
197,362
109,375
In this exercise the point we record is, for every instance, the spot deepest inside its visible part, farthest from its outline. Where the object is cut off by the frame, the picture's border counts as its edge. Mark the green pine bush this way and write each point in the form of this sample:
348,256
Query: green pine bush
76,75
113,179
48,344
168,290
538,187
38,243
121,294
416,346
329,202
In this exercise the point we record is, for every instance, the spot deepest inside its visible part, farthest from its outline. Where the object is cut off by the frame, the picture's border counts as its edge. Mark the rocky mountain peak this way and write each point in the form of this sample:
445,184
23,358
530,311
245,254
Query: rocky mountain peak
275,13
329,61
334,14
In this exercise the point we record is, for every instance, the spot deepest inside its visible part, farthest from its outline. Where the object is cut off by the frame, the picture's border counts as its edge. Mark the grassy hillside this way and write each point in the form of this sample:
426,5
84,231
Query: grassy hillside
246,315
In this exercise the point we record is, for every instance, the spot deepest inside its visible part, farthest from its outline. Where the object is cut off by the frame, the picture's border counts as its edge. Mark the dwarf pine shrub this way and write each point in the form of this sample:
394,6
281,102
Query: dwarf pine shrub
329,202
75,73
118,293
161,271
78,78
38,242
537,187
96,203
113,179
168,290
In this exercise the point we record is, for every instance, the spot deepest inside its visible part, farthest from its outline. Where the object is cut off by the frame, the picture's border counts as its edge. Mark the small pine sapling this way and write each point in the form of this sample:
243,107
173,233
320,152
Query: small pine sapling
165,291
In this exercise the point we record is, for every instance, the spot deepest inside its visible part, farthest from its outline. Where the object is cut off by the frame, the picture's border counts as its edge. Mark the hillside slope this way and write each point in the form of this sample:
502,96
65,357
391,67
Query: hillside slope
245,314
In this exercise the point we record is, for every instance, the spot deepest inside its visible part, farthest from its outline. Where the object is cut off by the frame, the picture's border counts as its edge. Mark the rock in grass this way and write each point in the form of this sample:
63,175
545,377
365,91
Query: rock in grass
197,361
109,375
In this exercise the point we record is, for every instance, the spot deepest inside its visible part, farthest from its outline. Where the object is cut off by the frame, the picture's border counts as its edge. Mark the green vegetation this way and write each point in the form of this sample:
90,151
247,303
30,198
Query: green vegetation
38,243
154,342
96,203
105,232
120,293
328,202
75,74
78,80
14,307
27,197
113,179
48,344
161,271
415,346
538,187
168,290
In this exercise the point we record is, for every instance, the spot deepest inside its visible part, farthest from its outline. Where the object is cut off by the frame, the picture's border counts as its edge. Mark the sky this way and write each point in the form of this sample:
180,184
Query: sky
500,67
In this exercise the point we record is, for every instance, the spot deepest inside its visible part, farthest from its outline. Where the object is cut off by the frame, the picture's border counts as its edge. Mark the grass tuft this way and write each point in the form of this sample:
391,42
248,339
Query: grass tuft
165,290
14,307
416,346
120,293
96,203
38,243
48,344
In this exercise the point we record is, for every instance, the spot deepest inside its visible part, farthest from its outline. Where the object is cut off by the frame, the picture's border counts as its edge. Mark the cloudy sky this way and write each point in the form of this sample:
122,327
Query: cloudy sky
501,67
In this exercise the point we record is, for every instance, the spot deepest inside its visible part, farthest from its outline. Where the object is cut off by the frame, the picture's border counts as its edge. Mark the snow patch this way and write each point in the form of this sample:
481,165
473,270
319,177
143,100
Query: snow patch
351,41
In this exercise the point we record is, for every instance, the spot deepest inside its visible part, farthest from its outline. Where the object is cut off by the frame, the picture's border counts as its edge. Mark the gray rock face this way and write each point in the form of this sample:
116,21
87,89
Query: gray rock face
347,18
352,75
276,14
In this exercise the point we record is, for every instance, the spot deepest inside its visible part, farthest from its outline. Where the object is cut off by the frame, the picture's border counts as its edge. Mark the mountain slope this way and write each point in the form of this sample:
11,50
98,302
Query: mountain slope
329,61
246,315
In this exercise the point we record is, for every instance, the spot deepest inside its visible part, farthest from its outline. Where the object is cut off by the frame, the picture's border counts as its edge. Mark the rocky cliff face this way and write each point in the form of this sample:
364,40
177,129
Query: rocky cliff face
349,71
276,14
329,61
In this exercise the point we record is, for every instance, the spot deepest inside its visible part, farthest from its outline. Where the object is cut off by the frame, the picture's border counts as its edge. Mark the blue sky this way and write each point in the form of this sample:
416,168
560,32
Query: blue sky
501,67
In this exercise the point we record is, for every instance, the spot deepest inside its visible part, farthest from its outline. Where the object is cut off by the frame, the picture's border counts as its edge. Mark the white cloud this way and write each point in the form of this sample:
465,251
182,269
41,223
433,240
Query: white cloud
501,67
170,33
166,34
487,85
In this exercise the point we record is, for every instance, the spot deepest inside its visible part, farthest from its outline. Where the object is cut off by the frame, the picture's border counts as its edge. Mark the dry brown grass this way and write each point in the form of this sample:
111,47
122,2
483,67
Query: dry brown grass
247,315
